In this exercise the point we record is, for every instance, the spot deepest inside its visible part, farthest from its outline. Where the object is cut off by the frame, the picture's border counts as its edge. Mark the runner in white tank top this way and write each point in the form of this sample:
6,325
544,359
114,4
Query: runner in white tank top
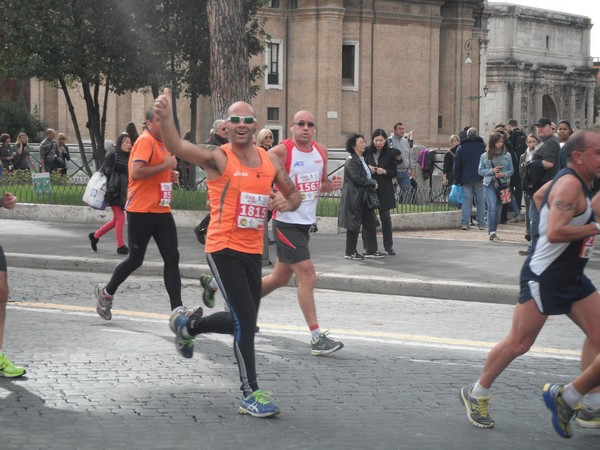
306,171
306,163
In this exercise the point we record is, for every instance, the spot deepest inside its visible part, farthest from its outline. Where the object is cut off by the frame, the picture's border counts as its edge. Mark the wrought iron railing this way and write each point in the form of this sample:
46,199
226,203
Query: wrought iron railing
60,190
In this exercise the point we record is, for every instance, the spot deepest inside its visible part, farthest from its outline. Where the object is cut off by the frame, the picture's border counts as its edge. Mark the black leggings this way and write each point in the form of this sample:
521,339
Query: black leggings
140,228
238,276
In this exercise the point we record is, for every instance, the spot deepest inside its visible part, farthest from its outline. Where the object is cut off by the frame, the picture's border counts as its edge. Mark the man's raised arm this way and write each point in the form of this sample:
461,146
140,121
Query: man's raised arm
201,155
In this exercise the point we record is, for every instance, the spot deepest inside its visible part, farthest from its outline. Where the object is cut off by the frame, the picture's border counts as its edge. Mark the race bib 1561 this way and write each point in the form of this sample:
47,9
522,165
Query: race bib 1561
309,185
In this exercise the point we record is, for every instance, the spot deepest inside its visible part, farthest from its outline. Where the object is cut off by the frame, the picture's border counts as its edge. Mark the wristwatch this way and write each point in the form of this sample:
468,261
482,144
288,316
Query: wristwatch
597,225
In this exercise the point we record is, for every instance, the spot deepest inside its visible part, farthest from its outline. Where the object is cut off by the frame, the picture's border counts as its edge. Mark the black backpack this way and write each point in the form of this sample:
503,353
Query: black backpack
533,173
518,139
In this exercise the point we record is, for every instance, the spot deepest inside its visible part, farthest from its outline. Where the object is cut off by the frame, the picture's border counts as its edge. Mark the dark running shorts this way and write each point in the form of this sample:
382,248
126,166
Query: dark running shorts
291,241
3,267
553,300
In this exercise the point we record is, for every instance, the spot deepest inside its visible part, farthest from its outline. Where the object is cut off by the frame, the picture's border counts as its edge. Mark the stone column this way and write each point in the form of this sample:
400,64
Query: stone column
589,117
516,101
537,99
571,104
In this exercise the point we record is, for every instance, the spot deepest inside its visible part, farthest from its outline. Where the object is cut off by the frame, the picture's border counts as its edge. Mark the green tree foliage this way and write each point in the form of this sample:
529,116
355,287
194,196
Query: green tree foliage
103,46
87,43
15,118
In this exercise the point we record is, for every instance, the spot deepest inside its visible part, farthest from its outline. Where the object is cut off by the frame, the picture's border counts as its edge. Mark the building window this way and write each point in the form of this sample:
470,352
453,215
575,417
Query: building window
274,4
276,135
273,114
548,42
350,66
293,4
274,56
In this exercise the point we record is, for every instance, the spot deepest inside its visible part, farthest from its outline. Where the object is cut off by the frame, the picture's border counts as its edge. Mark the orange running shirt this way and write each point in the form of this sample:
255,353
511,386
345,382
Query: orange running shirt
238,199
150,195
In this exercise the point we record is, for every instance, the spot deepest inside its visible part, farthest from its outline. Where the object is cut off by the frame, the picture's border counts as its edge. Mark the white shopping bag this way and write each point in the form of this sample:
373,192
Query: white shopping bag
95,191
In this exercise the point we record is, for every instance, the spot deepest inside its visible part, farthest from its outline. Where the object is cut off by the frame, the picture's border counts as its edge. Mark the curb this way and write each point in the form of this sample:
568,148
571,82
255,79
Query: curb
327,225
412,287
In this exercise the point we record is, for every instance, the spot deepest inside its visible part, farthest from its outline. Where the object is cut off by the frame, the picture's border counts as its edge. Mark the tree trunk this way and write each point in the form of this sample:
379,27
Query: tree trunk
229,69
194,116
65,89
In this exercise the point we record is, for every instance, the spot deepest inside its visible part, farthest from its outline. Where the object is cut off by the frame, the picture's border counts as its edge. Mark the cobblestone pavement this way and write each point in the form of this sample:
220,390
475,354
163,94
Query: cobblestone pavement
94,384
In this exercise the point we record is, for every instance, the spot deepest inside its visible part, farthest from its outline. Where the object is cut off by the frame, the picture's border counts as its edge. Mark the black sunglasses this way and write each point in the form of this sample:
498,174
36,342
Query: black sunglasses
302,123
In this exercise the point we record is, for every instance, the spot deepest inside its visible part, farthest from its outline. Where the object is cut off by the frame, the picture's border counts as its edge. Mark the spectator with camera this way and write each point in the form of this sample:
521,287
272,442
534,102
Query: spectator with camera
21,154
496,168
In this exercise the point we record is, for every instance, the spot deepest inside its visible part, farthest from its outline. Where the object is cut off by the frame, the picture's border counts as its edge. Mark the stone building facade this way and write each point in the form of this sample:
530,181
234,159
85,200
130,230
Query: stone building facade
360,65
538,64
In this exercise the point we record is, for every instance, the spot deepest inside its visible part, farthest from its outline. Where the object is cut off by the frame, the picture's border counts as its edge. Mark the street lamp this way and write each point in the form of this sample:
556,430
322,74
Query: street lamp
485,93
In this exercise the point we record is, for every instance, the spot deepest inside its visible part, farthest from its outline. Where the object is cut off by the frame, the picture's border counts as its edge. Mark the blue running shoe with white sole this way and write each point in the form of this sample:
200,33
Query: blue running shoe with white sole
258,404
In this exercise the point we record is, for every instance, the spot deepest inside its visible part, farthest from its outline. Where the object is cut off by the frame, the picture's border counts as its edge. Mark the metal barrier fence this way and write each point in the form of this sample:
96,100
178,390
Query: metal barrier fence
61,190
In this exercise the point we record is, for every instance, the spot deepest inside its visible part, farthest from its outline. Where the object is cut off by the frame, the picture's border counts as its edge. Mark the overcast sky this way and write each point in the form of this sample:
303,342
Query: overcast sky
587,8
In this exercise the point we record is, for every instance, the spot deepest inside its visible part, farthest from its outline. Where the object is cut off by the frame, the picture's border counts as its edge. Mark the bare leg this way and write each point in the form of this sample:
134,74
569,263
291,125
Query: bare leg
527,324
306,276
278,278
586,314
589,379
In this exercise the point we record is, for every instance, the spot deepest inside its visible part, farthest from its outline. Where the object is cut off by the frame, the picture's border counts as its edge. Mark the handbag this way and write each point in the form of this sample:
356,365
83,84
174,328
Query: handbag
456,195
503,193
371,199
95,191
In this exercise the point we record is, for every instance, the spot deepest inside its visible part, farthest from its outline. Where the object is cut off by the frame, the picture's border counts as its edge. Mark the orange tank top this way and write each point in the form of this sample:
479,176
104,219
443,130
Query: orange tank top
150,195
238,199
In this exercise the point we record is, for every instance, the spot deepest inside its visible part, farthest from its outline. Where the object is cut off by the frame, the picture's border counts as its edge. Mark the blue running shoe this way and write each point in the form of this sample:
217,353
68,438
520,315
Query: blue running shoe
561,412
258,404
184,343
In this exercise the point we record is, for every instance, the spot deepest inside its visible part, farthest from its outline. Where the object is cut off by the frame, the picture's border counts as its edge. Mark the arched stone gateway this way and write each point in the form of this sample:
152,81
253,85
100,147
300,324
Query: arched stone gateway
538,65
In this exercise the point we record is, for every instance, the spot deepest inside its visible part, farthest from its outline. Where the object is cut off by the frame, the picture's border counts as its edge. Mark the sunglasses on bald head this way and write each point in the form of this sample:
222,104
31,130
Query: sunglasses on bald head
238,119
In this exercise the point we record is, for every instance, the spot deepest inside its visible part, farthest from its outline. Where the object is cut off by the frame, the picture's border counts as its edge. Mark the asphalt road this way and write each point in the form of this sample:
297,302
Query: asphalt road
94,384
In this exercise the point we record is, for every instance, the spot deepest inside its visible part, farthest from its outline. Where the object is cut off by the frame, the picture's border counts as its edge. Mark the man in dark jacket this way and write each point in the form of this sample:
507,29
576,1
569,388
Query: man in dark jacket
218,133
466,174
548,152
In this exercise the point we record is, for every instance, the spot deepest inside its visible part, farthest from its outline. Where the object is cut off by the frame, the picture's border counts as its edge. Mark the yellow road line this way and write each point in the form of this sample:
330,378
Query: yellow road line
338,331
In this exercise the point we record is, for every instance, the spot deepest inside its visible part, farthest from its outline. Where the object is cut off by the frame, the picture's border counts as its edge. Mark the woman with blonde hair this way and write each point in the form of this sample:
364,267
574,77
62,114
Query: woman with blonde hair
21,154
63,154
448,166
264,139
